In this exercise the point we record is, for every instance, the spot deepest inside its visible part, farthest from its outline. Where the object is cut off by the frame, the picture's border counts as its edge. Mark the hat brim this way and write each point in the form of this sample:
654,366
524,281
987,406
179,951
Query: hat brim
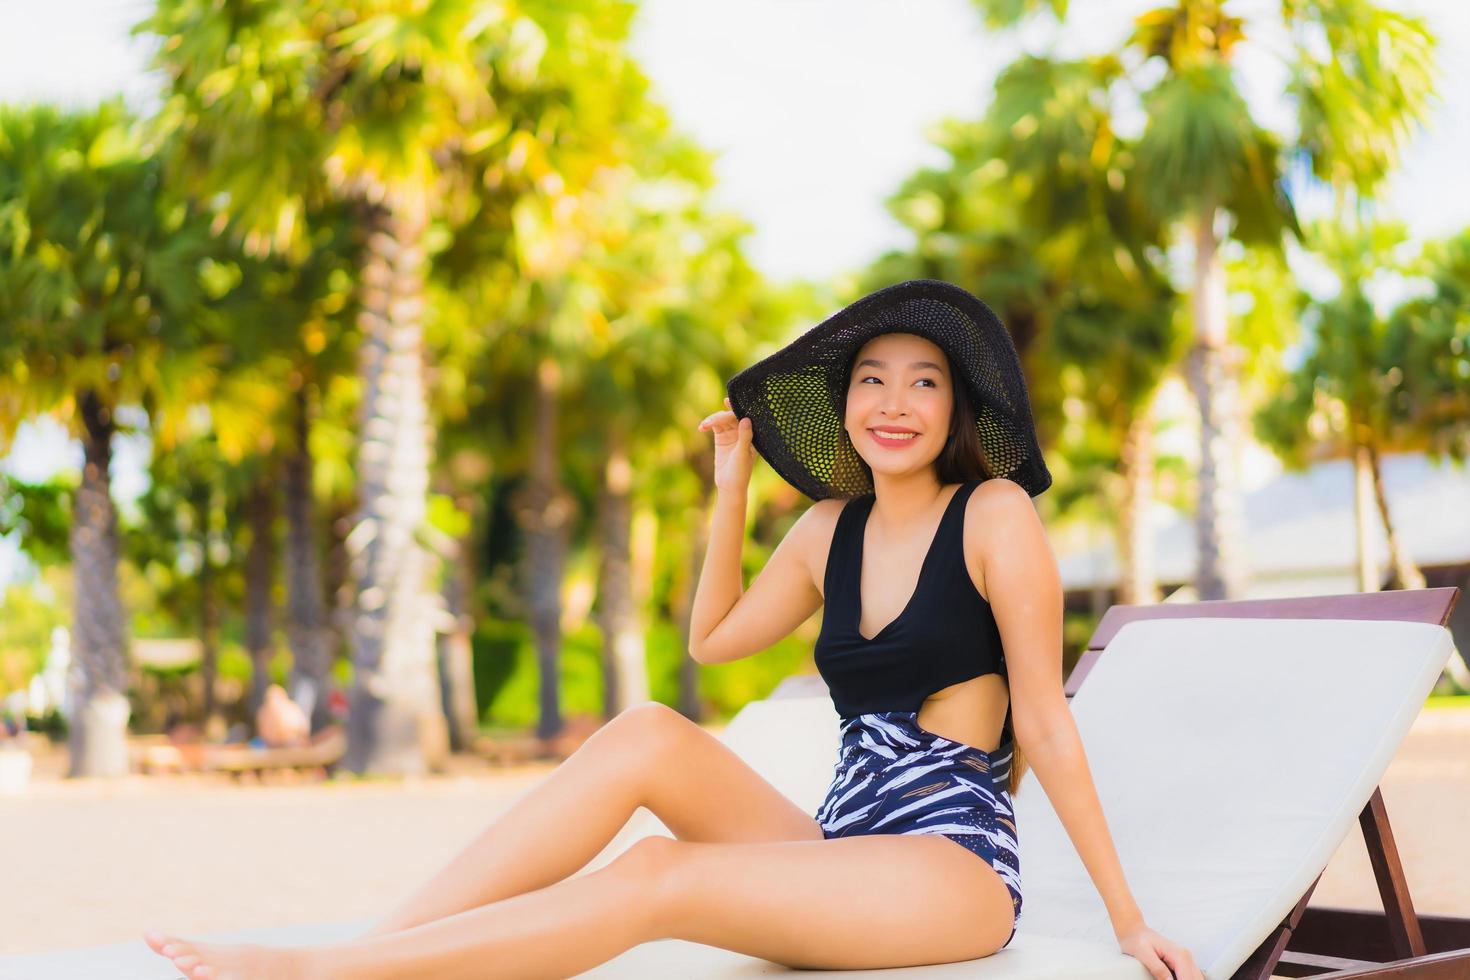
794,397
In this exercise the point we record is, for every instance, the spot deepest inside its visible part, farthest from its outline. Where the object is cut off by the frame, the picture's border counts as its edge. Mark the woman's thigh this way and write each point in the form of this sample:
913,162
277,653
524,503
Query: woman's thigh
868,902
704,792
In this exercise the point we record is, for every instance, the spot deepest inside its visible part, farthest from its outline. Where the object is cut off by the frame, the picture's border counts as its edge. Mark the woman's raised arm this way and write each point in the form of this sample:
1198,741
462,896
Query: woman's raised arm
780,599
726,621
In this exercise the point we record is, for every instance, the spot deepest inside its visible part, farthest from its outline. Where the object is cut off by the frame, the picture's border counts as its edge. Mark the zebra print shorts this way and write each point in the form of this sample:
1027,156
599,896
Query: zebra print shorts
893,777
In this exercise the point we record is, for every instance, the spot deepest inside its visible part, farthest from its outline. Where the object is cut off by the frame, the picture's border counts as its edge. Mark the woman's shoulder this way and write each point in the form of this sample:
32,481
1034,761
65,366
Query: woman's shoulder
992,505
822,515
813,533
992,502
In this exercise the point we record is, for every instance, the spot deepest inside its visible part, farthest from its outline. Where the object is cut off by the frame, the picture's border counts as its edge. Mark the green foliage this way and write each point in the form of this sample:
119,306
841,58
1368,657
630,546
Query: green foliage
1447,702
571,226
39,514
1361,91
1427,344
498,647
103,276
235,664
1370,379
29,612
1361,77
1008,13
1188,33
1201,146
1040,211
282,106
506,677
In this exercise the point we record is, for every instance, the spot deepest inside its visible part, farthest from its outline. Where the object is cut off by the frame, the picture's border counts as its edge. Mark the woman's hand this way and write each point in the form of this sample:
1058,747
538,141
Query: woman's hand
734,454
1163,958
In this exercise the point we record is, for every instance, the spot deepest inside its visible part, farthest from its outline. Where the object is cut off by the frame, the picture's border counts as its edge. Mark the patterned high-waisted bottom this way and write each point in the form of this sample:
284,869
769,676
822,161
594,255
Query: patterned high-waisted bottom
893,777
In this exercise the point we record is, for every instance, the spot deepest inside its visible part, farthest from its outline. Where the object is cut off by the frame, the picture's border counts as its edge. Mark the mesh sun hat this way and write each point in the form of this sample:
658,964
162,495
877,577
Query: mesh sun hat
796,398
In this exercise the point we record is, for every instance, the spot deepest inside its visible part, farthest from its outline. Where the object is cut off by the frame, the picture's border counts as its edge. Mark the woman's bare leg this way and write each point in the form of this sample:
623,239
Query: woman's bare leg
553,831
791,902
649,755
558,931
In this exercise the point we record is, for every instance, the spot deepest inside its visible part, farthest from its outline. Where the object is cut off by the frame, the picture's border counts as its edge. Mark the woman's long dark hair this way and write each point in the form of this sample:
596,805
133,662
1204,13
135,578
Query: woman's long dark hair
962,459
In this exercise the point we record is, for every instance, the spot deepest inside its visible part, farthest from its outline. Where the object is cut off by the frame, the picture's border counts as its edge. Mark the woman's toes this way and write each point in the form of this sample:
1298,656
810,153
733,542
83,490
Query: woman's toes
187,960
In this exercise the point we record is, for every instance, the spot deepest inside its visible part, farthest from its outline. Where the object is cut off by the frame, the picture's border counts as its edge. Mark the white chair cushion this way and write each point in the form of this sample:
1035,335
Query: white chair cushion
1232,757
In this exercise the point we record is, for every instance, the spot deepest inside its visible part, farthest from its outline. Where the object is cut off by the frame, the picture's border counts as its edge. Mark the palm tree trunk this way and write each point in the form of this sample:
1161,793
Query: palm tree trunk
624,655
1406,574
308,632
1220,574
455,649
336,578
1455,678
208,604
99,672
1138,582
702,462
1369,579
544,511
395,724
260,563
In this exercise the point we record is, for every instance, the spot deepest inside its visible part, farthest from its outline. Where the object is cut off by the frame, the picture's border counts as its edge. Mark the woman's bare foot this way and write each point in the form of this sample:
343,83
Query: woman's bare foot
215,961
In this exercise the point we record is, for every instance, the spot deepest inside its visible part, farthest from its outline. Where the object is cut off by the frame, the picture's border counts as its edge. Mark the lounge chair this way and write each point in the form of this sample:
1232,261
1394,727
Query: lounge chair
162,756
1232,744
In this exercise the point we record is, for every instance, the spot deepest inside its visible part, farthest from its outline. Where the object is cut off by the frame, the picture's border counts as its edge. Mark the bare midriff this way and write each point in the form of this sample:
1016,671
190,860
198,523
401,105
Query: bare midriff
971,711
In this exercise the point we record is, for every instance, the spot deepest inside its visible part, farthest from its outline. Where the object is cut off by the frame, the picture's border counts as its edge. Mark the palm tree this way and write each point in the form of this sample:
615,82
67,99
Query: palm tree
1039,212
1428,337
101,294
1361,77
1334,401
259,511
307,308
1359,390
651,238
402,115
1428,343
188,548
573,293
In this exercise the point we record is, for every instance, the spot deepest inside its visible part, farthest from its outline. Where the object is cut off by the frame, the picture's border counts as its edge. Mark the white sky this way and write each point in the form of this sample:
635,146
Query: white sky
816,109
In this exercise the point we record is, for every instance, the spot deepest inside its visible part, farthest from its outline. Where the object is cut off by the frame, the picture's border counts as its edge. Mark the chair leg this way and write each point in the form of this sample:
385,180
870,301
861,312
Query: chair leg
1405,936
1393,887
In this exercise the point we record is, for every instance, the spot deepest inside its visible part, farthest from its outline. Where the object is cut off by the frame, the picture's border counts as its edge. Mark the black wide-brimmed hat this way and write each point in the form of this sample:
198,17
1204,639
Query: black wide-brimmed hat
795,398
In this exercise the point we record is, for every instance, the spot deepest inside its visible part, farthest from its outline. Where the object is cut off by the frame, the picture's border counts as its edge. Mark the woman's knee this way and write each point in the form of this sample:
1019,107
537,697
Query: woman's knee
632,748
650,866
648,727
650,857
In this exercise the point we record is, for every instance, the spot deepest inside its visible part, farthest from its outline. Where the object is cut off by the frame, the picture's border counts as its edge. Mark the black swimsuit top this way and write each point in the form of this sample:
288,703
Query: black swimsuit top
946,634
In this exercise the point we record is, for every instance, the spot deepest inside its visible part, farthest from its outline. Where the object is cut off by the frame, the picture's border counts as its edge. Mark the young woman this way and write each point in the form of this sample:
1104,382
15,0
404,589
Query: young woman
940,642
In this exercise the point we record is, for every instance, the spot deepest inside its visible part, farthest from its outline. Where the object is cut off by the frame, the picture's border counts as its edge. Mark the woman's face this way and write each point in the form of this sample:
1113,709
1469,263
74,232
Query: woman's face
899,381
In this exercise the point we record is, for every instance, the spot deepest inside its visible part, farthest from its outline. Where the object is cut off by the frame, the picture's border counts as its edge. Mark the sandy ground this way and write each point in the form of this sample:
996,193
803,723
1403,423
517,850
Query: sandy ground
86,862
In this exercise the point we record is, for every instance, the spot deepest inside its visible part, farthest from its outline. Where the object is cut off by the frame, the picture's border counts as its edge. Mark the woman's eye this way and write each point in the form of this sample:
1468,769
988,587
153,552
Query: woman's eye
929,381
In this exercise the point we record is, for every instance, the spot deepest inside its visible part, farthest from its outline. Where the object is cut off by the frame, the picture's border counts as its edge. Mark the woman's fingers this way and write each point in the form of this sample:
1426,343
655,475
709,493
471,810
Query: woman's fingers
1180,961
719,420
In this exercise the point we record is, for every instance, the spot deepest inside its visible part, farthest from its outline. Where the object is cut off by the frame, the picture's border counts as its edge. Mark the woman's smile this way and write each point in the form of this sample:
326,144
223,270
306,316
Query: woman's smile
893,440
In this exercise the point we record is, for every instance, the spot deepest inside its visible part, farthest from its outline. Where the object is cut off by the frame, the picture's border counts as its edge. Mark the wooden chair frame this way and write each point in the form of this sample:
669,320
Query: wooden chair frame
1317,941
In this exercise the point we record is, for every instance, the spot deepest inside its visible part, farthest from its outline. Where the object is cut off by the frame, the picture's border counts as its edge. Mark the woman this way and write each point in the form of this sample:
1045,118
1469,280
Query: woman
904,524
